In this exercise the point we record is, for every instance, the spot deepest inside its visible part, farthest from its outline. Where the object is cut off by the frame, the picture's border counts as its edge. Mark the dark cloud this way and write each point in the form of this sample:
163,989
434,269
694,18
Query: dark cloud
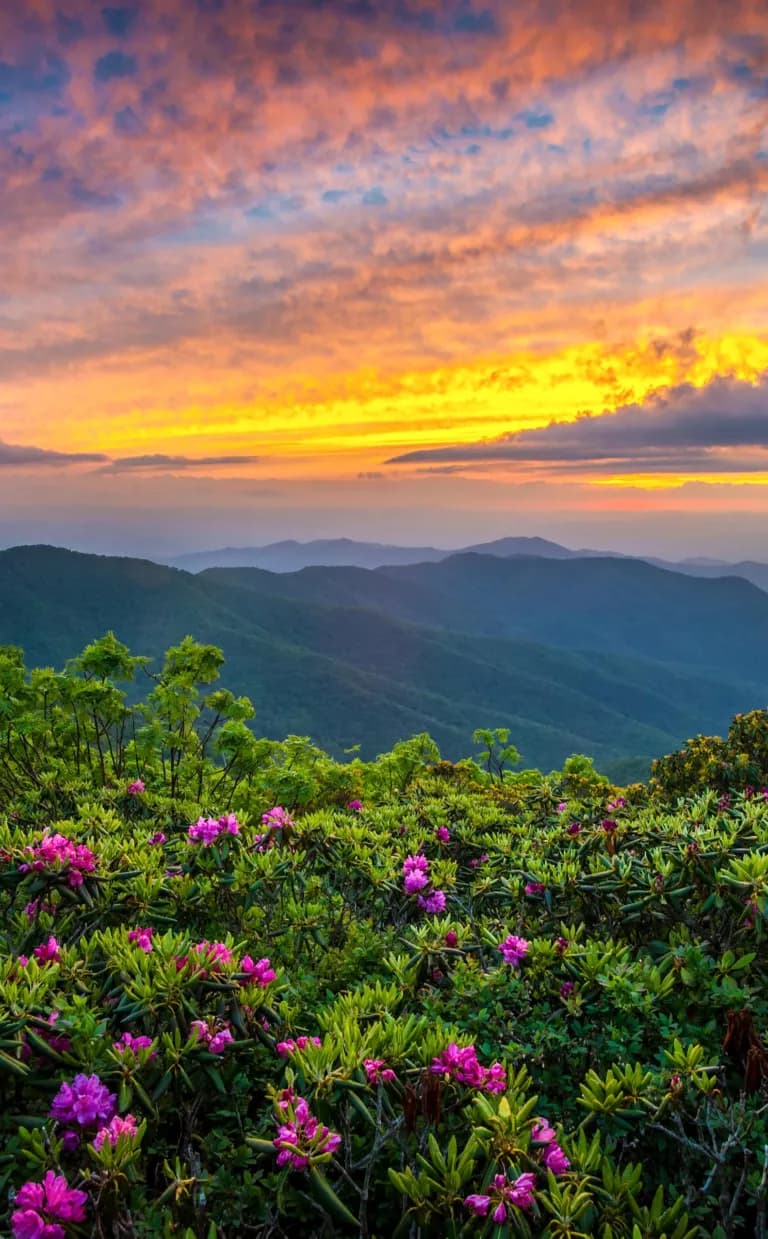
119,21
161,461
48,74
704,428
17,455
114,64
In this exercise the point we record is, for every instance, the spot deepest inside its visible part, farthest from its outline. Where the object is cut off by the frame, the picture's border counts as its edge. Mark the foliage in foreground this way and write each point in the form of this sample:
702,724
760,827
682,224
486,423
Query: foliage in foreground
245,990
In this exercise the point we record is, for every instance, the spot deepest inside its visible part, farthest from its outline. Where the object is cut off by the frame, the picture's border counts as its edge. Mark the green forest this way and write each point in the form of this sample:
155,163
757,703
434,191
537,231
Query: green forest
250,989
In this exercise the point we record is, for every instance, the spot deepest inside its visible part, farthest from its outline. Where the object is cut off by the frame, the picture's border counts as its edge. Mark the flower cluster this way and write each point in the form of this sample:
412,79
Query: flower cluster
259,971
206,830
129,1042
461,1063
49,952
416,881
59,1043
303,1139
136,787
42,1207
142,937
214,1039
504,1193
376,1072
279,818
553,1157
114,1129
290,1046
58,854
514,949
83,1102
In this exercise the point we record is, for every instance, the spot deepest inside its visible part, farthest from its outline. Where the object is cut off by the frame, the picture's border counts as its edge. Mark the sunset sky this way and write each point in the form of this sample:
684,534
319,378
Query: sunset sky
392,269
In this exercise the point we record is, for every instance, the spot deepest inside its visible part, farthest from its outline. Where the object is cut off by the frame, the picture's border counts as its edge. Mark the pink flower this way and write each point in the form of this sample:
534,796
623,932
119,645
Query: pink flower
58,854
83,1101
461,1064
128,1042
376,1072
415,881
566,989
303,1139
135,788
259,973
434,902
514,949
561,945
503,1193
356,806
277,818
561,808
48,953
116,1128
284,1048
41,1206
443,834
555,1159
205,830
535,888
574,829
542,1132
214,1041
451,938
608,825
142,938
415,862
157,838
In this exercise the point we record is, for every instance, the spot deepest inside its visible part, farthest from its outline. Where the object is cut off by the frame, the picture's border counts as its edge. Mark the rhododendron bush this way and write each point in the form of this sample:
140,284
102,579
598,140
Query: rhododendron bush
245,989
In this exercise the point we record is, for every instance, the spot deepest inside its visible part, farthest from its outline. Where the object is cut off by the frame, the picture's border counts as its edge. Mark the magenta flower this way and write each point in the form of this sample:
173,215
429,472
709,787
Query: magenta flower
289,1046
415,862
555,1159
277,818
460,1063
59,855
543,1132
84,1101
574,829
205,830
303,1139
142,938
608,825
128,1042
434,902
443,834
116,1128
561,945
157,838
503,1194
135,788
514,949
214,1041
376,1072
259,972
40,1207
356,806
561,808
535,888
49,952
451,938
566,989
415,881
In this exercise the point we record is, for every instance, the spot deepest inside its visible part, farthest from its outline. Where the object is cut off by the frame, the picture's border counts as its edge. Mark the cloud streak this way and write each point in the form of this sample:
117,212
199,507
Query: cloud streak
683,428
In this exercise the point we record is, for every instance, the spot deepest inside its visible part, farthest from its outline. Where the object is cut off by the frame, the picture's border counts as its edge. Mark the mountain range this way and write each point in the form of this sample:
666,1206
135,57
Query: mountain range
609,656
291,556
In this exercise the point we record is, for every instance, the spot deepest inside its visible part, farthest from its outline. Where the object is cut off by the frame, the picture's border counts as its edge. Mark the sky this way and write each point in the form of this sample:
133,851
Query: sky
387,269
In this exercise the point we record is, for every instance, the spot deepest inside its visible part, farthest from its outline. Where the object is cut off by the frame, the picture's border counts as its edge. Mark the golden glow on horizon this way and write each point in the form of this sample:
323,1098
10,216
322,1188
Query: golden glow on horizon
353,423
